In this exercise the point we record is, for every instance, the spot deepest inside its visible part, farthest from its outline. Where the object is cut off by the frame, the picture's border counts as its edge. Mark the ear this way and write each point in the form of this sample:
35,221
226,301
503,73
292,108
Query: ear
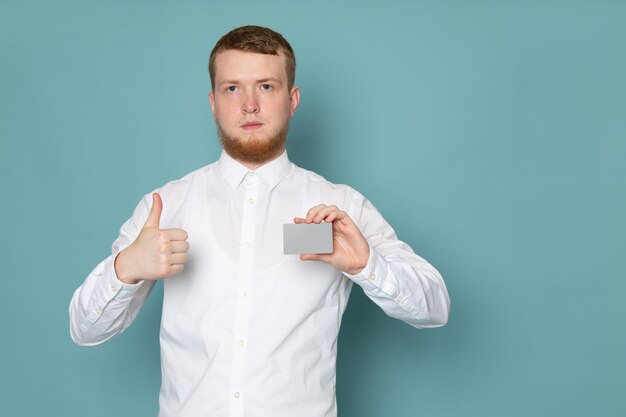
212,101
294,95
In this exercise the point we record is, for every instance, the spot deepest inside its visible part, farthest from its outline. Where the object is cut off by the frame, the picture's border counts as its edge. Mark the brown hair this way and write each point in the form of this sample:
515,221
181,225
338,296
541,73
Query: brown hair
255,39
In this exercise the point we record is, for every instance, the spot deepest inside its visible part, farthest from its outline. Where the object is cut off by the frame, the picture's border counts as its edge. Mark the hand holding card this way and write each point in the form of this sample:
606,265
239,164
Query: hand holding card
350,250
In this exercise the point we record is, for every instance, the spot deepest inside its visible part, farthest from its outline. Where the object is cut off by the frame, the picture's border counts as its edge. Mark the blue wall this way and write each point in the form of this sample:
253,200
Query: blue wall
488,133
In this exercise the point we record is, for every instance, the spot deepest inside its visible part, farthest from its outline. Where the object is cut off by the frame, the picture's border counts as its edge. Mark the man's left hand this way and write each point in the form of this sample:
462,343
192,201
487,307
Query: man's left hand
350,249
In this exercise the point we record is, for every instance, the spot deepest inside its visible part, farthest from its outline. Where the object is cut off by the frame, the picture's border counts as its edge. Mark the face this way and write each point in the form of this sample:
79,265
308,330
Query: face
252,105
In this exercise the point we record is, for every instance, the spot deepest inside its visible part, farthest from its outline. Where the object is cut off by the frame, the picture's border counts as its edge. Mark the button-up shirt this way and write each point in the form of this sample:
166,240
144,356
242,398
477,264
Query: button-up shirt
247,330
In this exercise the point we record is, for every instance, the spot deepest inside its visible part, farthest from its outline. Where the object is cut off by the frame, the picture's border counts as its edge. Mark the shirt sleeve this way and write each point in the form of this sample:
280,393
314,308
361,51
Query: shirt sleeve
103,306
400,282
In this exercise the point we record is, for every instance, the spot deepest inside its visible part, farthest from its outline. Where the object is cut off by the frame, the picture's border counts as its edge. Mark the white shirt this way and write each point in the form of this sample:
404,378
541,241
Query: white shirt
247,330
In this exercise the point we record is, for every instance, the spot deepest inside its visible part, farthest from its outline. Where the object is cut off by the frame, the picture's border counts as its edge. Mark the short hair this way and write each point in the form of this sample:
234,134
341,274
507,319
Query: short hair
256,39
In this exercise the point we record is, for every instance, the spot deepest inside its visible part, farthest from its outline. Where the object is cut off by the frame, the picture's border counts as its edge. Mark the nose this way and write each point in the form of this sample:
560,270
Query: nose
250,104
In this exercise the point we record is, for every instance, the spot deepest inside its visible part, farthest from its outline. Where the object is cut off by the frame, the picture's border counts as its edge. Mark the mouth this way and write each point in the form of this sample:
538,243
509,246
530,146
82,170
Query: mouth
251,125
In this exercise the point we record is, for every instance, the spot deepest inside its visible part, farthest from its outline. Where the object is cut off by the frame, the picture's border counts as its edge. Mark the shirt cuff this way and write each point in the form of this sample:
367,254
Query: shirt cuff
373,277
109,292
114,287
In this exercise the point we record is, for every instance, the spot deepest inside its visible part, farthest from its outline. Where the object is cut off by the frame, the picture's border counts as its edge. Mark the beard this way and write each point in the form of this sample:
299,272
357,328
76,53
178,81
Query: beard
254,149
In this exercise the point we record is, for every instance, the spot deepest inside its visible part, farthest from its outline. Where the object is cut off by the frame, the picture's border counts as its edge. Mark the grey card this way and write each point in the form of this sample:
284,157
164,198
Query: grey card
307,238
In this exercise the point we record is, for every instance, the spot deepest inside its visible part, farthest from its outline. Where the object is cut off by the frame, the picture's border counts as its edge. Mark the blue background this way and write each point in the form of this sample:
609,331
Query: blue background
489,134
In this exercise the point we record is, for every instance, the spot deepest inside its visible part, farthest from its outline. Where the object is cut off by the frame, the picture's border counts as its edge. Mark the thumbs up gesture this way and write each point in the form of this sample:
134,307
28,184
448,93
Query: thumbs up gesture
156,253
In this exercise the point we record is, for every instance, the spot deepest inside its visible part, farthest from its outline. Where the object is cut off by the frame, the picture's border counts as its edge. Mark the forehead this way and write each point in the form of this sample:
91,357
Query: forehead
249,66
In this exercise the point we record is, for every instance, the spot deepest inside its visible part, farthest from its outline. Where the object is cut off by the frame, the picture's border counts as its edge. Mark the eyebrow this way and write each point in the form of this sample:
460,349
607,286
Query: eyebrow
262,80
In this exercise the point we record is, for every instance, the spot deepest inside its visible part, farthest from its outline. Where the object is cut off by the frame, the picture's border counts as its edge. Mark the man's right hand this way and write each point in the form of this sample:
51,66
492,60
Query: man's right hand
156,253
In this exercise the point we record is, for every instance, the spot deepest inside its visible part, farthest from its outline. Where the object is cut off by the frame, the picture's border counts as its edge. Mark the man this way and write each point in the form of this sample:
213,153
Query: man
245,329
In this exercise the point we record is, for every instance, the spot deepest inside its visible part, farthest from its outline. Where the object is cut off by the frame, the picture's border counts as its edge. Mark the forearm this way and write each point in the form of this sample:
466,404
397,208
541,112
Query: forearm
103,306
405,287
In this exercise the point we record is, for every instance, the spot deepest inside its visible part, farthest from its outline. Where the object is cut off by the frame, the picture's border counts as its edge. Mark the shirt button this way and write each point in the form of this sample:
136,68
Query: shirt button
372,276
237,395
399,298
247,244
244,294
251,201
241,343
113,288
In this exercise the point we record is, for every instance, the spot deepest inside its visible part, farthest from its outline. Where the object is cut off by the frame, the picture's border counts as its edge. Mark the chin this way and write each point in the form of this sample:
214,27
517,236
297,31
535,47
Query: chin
254,148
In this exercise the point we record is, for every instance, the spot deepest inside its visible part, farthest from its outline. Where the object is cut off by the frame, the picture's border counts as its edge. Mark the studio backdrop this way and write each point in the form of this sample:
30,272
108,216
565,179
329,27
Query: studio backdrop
491,136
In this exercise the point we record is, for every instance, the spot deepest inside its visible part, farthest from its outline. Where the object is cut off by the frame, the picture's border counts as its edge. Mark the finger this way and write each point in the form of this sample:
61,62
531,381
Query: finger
176,234
176,269
313,212
179,246
154,216
299,220
179,258
331,217
346,220
323,213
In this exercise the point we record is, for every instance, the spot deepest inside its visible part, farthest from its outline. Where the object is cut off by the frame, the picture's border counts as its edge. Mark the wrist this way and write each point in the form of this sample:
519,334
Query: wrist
120,271
360,265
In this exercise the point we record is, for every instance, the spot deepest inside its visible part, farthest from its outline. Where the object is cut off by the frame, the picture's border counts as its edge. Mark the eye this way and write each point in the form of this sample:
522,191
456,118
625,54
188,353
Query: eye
231,89
266,87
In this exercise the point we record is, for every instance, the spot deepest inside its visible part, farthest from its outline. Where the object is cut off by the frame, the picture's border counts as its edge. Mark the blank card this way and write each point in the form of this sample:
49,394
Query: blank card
307,238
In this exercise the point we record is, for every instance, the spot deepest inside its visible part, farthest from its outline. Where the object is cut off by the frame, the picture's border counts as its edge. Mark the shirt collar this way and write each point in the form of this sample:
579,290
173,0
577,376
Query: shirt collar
272,172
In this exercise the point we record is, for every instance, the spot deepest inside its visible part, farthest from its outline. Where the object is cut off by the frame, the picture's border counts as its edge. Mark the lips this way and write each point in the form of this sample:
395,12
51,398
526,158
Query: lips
251,125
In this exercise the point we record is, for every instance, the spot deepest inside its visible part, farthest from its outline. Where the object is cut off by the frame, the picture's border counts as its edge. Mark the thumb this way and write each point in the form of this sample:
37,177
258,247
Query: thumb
155,212
324,257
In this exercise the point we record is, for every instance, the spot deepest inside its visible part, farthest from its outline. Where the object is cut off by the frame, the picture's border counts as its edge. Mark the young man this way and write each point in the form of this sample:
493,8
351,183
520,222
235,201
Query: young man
245,329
